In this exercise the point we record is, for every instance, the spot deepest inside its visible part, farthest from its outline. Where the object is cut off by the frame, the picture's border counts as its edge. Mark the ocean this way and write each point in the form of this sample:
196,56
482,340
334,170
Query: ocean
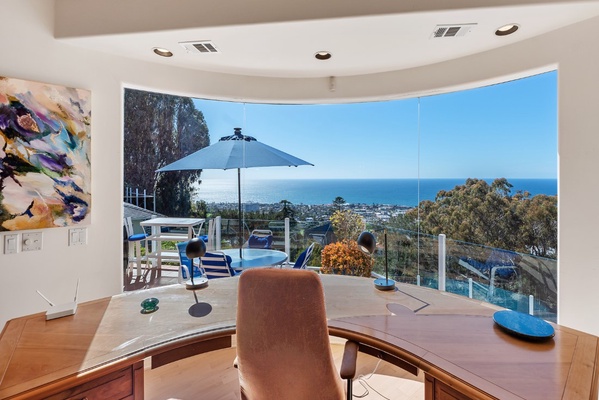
403,192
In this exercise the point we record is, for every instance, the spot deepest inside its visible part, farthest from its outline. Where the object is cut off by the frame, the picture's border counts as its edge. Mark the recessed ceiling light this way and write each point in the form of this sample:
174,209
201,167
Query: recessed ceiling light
507,29
322,55
162,52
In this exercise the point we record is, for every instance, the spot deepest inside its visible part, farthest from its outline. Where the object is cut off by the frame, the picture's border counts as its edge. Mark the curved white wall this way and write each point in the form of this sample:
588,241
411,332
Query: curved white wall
29,51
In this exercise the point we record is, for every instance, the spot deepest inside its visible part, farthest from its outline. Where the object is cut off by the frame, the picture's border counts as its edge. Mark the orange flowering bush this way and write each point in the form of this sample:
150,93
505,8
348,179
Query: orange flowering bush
345,258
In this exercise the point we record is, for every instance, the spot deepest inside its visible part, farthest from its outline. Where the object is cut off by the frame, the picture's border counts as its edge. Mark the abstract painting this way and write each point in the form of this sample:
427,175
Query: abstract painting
45,147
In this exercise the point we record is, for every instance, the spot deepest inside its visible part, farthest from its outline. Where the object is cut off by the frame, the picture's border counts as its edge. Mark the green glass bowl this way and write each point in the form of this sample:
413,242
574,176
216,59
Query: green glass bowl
149,305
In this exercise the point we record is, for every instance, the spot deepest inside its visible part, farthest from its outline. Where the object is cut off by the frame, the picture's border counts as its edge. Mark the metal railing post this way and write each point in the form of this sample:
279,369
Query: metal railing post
217,230
531,304
442,259
470,287
287,240
137,197
145,205
417,280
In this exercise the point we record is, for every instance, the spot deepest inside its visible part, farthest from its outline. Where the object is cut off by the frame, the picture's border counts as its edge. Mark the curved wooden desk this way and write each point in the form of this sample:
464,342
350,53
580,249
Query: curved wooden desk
100,350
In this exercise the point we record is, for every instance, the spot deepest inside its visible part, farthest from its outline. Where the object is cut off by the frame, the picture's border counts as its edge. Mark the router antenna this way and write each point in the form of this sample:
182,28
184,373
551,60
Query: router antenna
76,291
45,298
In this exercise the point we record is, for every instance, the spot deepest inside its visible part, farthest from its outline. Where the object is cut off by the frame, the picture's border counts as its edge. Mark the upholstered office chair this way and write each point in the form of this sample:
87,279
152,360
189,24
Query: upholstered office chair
283,349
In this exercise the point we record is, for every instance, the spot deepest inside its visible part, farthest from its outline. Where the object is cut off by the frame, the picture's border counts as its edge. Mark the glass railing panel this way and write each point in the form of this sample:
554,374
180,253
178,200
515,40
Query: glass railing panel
504,277
409,255
501,277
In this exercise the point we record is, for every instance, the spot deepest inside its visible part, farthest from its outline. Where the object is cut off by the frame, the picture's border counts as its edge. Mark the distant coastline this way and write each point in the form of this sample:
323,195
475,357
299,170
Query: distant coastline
397,192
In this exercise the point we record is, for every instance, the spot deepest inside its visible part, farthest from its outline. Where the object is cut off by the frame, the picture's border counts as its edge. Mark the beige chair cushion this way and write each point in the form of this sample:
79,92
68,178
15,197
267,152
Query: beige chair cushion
283,349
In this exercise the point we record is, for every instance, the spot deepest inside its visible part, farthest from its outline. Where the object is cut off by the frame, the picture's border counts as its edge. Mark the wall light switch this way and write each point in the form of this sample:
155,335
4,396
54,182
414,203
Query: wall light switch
10,243
32,241
77,236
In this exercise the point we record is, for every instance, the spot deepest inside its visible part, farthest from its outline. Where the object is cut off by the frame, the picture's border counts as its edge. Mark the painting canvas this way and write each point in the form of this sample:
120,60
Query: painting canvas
45,165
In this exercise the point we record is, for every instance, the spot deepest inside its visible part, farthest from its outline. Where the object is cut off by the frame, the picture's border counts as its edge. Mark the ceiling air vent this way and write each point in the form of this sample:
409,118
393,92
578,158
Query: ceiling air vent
200,46
454,30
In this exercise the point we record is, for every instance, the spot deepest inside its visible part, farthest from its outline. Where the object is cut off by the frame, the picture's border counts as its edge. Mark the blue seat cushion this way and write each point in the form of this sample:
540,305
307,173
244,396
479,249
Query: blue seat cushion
204,238
260,242
137,236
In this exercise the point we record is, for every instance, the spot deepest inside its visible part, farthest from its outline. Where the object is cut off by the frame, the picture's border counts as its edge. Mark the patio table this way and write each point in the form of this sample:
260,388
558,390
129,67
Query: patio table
161,232
252,258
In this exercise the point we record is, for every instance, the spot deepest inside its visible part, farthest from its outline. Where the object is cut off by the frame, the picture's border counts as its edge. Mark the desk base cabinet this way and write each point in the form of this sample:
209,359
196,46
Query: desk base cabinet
437,390
124,384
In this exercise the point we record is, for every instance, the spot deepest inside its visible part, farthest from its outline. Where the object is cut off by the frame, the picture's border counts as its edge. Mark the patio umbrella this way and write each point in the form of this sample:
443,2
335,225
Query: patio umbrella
235,151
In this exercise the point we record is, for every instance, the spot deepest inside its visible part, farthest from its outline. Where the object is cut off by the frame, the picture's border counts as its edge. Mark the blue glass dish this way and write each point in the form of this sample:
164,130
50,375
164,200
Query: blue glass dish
524,326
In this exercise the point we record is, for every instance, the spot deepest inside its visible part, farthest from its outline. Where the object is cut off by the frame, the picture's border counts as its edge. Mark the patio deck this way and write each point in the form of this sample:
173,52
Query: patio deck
149,278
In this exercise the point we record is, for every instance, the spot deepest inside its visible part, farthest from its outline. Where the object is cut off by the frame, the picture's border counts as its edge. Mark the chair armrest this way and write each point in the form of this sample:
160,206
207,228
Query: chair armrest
348,364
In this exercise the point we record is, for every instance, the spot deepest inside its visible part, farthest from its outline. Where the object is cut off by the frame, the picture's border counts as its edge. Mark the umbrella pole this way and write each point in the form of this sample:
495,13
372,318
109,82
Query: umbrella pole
239,210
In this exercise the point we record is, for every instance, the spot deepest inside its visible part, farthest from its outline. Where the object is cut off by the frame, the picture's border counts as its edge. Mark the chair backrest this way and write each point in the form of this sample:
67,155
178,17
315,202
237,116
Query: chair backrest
304,257
262,232
128,226
185,264
260,239
217,264
283,348
211,233
131,235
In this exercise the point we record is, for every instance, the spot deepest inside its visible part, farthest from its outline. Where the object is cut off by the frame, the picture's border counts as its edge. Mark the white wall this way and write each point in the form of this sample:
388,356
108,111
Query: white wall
28,51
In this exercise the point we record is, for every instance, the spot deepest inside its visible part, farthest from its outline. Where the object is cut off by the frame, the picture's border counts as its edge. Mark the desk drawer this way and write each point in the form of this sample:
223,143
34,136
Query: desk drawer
116,385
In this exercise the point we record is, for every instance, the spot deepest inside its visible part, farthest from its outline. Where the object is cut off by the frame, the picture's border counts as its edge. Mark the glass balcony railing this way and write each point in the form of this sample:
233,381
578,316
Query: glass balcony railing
516,281
498,276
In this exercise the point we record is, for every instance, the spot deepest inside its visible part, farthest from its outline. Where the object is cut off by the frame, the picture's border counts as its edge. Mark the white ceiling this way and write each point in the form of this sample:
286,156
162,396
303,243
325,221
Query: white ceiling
359,45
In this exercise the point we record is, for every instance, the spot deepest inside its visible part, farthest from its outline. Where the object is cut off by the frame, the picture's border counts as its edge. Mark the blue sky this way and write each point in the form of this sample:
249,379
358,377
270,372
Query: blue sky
505,130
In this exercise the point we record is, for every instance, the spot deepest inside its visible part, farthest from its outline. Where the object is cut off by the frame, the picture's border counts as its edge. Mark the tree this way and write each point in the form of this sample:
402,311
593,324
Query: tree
160,129
486,214
287,211
338,203
347,225
539,228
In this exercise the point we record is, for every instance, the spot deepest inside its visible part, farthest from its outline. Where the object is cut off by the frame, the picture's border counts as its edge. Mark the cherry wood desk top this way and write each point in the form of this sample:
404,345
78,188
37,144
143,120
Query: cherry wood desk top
449,337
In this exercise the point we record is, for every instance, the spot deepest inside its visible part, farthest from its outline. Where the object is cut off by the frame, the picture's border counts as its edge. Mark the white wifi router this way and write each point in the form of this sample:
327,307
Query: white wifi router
61,310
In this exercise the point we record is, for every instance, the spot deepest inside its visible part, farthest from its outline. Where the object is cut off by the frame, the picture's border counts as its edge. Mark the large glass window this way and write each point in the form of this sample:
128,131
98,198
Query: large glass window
472,173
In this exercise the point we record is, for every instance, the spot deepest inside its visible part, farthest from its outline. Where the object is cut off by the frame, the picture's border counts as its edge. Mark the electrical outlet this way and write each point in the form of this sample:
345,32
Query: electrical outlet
32,241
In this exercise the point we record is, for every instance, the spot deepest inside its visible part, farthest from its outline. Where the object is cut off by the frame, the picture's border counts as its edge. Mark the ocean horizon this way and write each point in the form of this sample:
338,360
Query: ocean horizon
400,192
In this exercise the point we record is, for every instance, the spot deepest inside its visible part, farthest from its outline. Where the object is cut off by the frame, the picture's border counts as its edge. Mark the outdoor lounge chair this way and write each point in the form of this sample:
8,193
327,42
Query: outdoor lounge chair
217,264
186,264
260,239
304,257
503,263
